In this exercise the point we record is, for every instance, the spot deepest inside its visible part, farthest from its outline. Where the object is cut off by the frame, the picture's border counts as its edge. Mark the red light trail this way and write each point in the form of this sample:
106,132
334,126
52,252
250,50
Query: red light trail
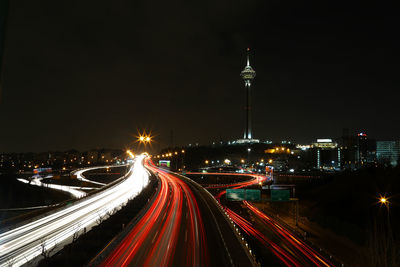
291,250
154,238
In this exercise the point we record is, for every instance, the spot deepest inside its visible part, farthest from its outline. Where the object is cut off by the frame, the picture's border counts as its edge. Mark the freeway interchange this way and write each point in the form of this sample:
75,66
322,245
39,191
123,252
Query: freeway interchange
183,224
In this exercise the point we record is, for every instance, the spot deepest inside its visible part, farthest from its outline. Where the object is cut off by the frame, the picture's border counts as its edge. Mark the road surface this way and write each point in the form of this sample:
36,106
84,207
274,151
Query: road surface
282,242
183,226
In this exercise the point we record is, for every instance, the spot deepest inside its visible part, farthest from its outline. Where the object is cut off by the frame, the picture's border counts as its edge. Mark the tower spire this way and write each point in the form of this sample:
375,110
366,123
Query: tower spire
248,75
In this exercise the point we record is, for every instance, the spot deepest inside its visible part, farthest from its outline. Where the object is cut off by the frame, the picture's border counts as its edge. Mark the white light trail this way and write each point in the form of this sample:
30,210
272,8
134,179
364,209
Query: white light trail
79,175
70,189
23,244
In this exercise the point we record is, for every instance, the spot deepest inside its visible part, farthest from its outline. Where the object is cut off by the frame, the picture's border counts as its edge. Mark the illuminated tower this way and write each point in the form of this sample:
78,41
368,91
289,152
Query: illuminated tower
248,75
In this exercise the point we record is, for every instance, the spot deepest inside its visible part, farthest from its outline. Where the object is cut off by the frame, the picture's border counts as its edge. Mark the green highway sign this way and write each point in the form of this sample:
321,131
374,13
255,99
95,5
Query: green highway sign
280,195
253,194
243,194
235,194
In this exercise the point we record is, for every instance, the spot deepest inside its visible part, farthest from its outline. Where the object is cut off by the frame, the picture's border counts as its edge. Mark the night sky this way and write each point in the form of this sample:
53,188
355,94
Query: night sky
89,74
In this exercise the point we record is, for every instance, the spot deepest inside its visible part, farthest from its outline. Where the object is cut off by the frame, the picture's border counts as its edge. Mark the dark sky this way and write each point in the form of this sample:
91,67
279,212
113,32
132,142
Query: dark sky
87,74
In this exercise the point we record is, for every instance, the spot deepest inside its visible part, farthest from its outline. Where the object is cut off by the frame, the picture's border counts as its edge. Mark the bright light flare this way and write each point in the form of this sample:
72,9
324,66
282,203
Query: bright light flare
384,200
144,138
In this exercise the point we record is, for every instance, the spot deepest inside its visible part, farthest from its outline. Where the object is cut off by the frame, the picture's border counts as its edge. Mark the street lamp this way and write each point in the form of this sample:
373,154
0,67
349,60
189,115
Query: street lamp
383,200
144,138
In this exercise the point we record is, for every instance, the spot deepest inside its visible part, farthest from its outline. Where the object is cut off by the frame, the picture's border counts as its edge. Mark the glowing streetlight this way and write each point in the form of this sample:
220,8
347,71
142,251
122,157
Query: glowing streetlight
270,161
206,162
383,200
144,138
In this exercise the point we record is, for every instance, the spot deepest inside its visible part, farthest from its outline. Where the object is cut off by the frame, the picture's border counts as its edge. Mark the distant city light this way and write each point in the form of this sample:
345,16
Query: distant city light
326,140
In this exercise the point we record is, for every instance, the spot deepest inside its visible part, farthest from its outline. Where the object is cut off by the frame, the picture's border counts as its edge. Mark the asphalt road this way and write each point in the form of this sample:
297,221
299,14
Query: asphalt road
183,226
288,248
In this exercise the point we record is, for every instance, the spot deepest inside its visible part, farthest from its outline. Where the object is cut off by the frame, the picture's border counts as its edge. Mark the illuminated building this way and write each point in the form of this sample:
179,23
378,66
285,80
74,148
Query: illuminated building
388,152
327,154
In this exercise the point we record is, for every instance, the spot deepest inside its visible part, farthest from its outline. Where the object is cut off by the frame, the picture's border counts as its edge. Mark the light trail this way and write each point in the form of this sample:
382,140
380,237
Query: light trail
256,178
248,228
291,250
79,175
23,244
286,235
73,190
154,239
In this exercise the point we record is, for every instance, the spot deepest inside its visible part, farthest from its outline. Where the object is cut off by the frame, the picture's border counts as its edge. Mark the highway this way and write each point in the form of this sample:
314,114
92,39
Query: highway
283,243
183,226
25,243
293,250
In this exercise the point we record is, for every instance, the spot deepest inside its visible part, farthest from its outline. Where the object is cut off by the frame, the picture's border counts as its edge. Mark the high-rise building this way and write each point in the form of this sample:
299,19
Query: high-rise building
366,150
388,152
327,154
348,147
248,74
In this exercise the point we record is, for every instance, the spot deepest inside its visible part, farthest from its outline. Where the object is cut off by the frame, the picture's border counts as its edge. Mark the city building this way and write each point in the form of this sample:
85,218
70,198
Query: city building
388,152
366,150
327,154
357,150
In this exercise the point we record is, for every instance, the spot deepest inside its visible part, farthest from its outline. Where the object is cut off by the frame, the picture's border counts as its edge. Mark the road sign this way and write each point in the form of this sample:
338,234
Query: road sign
253,194
235,194
280,195
243,194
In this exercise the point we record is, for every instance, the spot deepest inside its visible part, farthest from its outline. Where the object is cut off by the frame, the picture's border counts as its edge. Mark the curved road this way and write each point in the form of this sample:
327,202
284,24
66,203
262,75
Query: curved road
27,242
285,245
182,227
